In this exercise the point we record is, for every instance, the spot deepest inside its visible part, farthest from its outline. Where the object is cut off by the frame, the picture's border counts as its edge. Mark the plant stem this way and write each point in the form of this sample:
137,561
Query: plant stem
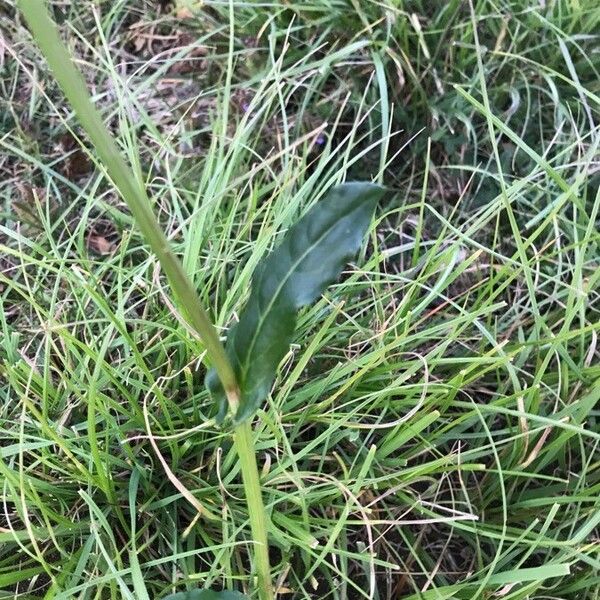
244,445
73,85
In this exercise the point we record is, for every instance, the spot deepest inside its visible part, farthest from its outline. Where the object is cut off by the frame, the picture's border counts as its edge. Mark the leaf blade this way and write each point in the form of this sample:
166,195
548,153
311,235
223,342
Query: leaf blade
310,257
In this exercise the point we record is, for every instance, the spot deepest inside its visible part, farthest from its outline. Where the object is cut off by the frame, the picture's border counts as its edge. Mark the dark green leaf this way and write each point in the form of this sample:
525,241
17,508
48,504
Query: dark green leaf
206,595
310,257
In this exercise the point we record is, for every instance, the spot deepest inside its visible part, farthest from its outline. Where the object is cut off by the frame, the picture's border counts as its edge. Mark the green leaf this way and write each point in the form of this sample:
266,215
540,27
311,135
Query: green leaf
310,257
206,595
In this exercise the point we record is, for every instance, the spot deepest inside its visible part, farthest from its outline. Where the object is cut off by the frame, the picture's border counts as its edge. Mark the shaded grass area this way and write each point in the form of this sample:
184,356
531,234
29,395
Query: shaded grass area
434,430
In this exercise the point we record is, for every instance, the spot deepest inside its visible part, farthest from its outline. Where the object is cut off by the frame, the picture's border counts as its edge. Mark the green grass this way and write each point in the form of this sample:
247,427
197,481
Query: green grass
434,429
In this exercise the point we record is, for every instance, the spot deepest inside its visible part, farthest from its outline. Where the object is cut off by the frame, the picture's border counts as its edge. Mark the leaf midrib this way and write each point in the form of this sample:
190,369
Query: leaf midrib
275,296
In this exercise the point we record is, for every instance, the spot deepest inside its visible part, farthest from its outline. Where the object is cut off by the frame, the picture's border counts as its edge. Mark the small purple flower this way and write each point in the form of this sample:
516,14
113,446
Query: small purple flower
245,106
320,139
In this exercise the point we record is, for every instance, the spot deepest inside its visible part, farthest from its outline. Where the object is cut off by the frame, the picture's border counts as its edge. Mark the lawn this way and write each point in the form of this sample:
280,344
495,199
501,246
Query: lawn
433,429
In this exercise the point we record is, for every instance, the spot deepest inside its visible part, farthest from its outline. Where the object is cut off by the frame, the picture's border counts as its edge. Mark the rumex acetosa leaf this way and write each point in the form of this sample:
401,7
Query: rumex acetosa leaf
206,595
310,257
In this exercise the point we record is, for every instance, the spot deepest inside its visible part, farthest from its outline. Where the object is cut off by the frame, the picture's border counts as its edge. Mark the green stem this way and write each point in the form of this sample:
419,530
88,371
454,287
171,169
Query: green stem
73,85
244,445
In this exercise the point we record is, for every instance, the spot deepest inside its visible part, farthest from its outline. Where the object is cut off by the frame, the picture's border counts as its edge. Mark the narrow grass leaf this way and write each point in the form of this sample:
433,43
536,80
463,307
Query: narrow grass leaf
534,574
7,579
206,595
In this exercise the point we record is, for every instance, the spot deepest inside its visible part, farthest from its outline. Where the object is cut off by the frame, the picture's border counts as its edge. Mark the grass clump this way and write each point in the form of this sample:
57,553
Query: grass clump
433,430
